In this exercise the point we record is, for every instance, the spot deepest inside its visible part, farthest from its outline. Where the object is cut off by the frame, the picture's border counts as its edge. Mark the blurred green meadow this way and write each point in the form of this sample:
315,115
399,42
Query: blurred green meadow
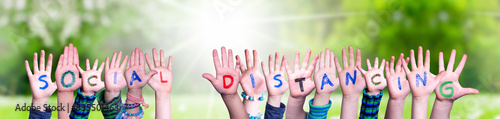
188,30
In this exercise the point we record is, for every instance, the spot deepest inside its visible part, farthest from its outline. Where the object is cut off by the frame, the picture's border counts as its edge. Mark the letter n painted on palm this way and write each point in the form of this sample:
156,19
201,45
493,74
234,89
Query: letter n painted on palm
419,79
348,76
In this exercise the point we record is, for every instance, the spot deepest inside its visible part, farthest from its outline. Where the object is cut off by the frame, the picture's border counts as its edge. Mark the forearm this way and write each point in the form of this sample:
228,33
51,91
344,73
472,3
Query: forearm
441,109
295,108
321,99
349,107
163,110
274,100
419,107
252,107
39,103
395,109
234,106
64,99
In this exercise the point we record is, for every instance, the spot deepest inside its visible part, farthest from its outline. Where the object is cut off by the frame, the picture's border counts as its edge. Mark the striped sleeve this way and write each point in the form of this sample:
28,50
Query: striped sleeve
112,109
370,105
81,107
318,112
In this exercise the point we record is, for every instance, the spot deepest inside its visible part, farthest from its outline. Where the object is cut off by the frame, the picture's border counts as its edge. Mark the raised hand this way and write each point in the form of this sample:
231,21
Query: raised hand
351,81
275,80
135,74
161,82
91,78
67,75
422,81
41,83
325,78
396,79
251,79
374,77
114,80
227,75
449,88
299,80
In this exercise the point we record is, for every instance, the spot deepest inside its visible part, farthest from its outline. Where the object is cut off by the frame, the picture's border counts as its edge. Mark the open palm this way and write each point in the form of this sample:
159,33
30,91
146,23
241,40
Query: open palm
91,78
251,80
325,77
227,75
162,81
301,74
374,77
274,87
41,83
353,83
422,81
396,79
113,73
66,67
135,74
449,88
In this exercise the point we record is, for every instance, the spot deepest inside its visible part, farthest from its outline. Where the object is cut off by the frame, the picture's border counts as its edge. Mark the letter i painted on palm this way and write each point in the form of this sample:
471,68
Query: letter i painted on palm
253,80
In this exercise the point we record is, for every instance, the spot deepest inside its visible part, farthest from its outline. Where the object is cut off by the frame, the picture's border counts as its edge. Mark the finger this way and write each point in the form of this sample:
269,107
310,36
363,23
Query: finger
155,58
420,57
128,63
28,70
96,63
71,54
49,63
141,58
441,62
42,60
361,69
208,76
427,63
132,58
327,58
170,62
306,59
452,61
332,64
358,57
461,64
368,64
106,67
80,68
316,68
387,72
113,60
150,74
125,60
440,76
321,62
238,66
215,56
137,57
35,62
398,63
351,57
376,63
391,65
287,67
276,61
269,63
255,58
311,66
224,57
76,59
413,62
468,91
66,52
87,64
405,67
344,58
283,63
382,66
148,61
100,67
262,65
118,58
238,63
297,61
247,59
230,58
339,69
59,63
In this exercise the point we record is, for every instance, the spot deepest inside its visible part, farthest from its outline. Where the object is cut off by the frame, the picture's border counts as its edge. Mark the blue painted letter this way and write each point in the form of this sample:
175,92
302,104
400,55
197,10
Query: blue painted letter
325,80
253,80
135,77
276,78
46,84
348,76
424,81
399,83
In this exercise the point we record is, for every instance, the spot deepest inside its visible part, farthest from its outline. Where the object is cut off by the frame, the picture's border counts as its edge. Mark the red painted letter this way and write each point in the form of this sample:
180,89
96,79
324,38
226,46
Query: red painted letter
224,80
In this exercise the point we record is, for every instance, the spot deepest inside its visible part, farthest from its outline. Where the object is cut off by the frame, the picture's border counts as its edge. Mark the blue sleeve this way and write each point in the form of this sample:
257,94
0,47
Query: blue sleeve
318,112
37,114
81,107
274,112
370,105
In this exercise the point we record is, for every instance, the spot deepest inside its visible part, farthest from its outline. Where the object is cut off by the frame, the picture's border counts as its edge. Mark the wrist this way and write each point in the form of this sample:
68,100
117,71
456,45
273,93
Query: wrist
444,102
321,99
420,98
109,95
135,92
375,92
274,100
39,102
162,95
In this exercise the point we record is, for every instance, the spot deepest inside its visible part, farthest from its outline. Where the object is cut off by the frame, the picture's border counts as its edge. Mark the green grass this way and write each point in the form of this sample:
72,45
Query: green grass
211,106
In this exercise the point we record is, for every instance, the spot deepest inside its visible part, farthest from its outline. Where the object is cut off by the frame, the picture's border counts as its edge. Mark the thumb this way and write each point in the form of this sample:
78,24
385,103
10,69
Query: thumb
470,91
53,87
150,74
208,76
440,76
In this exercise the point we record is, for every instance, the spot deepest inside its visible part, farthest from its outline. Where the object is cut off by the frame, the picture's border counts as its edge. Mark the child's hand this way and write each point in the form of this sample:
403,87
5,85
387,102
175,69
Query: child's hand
325,77
251,80
227,76
299,80
41,83
67,75
422,81
161,82
449,88
374,77
135,74
92,78
275,78
351,81
396,79
113,73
